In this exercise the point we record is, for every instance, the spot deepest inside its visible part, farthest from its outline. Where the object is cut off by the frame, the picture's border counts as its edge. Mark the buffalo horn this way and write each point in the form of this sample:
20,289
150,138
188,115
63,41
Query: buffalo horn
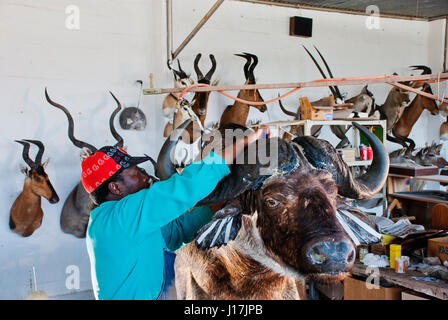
165,167
370,183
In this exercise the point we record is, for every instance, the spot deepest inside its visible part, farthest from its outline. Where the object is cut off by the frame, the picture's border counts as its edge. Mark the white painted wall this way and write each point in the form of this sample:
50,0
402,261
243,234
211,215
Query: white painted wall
121,41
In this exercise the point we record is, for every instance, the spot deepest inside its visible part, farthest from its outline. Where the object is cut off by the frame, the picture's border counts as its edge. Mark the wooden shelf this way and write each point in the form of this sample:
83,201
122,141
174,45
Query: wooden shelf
359,163
436,178
418,196
435,289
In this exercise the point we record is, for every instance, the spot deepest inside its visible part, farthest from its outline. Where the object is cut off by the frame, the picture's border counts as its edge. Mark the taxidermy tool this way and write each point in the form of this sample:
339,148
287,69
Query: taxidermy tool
36,294
132,118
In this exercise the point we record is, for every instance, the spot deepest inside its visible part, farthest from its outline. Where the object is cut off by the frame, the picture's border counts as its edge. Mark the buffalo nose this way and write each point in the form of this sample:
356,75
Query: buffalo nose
331,256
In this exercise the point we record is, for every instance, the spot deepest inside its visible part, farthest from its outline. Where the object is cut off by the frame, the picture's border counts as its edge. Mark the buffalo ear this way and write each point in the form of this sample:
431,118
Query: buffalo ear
222,228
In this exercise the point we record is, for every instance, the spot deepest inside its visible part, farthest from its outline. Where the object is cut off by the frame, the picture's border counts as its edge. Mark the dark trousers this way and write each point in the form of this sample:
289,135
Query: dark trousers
168,287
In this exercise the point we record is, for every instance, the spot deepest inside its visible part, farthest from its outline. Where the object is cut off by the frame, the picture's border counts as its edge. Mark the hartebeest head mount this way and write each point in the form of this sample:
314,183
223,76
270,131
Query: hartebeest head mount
249,66
37,177
181,78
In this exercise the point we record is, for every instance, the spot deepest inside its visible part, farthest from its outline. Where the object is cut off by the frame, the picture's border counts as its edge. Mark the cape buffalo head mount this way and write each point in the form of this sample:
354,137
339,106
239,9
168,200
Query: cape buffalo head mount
285,220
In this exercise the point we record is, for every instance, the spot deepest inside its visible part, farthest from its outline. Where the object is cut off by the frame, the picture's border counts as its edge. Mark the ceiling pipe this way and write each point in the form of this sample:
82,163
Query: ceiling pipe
328,9
445,45
169,31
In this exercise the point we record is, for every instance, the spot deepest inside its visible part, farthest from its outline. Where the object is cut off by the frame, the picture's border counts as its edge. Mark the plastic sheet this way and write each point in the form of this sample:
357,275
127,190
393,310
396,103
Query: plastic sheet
359,231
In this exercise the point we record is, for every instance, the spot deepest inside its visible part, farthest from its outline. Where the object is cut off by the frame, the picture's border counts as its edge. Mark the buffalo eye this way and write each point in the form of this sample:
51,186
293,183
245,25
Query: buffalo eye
271,203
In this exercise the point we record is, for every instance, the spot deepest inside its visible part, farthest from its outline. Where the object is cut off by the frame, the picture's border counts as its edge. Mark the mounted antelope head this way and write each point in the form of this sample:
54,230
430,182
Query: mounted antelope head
402,156
26,213
427,156
402,129
430,156
297,131
238,112
76,210
363,102
334,89
199,102
392,109
181,80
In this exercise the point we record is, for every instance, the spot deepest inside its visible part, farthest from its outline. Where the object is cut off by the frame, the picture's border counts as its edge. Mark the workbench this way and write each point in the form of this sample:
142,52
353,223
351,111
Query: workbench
437,290
420,203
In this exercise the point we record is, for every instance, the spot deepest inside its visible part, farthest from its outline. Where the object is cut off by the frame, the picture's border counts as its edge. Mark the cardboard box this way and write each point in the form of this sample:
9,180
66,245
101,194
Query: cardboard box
438,247
309,112
347,154
357,290
379,248
331,291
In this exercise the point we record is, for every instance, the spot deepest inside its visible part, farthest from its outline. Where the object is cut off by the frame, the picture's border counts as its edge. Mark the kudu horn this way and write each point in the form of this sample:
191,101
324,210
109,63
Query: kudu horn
80,144
114,132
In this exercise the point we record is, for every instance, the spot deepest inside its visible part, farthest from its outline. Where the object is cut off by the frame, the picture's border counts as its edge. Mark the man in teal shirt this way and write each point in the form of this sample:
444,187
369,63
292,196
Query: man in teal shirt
135,222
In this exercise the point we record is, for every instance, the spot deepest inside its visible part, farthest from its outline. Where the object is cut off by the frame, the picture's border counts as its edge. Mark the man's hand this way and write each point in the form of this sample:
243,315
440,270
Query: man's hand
231,152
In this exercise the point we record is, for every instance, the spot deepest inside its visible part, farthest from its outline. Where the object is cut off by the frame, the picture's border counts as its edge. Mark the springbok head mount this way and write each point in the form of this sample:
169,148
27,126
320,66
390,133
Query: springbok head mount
208,76
181,78
39,182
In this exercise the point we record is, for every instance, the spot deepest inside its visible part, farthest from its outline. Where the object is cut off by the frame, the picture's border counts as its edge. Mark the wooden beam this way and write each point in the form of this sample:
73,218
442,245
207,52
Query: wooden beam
309,84
425,94
197,28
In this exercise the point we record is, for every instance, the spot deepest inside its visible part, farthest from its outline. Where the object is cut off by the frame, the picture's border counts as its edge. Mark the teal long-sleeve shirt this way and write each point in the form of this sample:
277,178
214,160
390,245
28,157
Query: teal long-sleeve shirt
125,238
